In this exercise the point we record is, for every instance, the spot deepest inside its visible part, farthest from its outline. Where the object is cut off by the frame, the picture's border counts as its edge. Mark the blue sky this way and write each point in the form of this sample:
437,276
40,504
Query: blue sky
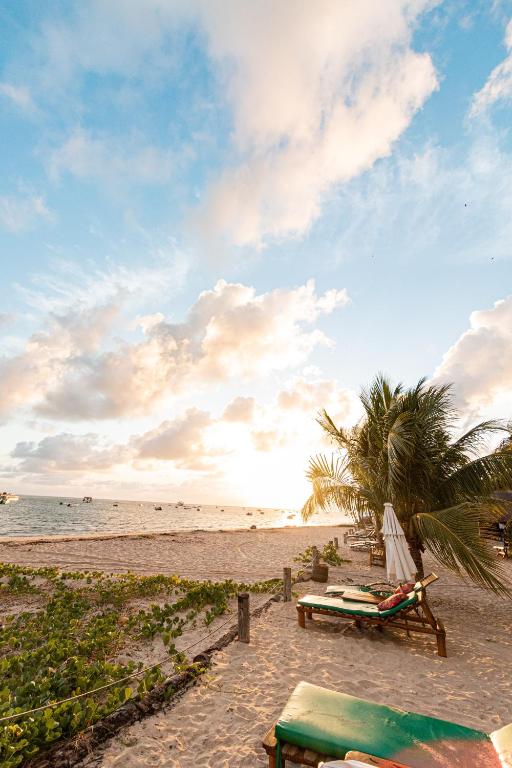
152,149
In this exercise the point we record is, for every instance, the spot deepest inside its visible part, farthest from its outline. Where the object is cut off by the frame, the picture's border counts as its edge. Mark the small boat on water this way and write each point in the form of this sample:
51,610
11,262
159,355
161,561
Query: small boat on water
180,504
6,498
158,509
87,499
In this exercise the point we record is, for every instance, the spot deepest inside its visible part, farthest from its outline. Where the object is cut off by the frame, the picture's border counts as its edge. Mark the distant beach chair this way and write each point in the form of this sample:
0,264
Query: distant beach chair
411,615
377,555
318,725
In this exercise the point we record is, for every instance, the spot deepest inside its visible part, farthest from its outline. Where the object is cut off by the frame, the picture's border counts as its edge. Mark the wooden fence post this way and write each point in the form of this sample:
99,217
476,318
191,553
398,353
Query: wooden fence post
287,584
244,629
336,542
315,557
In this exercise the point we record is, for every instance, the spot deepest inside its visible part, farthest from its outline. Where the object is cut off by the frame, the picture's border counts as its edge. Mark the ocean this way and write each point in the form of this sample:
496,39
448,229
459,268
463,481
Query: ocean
58,516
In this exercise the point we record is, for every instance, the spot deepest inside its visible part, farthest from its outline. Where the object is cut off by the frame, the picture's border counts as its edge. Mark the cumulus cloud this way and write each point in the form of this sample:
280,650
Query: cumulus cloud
241,409
68,453
319,92
230,333
87,157
19,95
311,395
183,441
26,376
291,417
498,86
21,213
480,363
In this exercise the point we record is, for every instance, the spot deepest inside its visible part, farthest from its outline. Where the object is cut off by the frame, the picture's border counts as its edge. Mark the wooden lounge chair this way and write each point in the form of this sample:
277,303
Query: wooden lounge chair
377,555
318,725
412,615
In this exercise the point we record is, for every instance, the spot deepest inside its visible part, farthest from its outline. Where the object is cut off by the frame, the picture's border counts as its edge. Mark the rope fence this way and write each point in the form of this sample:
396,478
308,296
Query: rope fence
131,676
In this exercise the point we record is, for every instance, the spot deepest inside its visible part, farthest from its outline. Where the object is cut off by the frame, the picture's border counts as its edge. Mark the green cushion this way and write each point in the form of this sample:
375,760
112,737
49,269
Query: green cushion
352,607
333,723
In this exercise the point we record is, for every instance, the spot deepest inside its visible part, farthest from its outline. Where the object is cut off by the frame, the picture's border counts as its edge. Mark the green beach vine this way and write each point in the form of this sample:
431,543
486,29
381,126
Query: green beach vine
76,634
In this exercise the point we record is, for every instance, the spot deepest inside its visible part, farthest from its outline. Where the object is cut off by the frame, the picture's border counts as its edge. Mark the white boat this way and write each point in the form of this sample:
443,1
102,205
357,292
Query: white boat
180,504
6,498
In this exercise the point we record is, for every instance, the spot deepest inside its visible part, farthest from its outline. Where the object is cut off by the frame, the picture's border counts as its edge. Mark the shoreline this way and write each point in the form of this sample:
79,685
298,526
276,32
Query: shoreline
14,541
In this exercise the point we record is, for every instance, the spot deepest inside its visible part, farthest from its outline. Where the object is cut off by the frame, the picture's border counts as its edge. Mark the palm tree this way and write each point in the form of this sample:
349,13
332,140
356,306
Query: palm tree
442,488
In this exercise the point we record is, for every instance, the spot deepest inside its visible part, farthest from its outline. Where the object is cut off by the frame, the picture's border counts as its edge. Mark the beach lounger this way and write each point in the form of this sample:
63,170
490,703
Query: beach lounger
411,615
377,555
318,725
379,589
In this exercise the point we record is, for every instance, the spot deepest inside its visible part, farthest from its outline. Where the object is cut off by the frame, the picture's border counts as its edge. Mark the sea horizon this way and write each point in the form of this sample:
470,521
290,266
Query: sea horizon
41,516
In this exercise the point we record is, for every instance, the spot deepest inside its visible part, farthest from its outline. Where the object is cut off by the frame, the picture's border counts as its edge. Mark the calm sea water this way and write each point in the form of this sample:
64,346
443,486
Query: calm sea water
47,515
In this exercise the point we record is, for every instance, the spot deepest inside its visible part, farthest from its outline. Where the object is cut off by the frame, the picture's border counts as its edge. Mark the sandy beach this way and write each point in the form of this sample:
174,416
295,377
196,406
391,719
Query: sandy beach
243,555
220,722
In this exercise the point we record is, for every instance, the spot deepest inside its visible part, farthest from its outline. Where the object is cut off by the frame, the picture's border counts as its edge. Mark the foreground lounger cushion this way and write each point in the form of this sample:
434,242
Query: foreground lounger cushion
333,723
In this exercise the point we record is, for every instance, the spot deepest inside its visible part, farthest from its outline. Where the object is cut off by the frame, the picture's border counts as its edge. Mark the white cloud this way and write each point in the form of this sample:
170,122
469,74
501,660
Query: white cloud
110,159
241,409
310,395
480,364
19,95
230,333
498,86
70,285
319,93
68,453
81,307
290,419
26,376
183,441
19,214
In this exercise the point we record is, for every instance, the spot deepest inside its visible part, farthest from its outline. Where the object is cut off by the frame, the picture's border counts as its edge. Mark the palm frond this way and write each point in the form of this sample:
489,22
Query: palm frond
480,477
330,427
472,440
453,537
331,486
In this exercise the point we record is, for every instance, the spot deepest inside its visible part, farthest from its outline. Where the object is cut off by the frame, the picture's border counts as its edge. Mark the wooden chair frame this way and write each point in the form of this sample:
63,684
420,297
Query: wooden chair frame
301,756
291,752
413,618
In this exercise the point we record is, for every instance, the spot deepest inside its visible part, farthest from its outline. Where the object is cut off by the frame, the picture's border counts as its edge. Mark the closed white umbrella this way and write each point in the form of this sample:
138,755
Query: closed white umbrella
399,563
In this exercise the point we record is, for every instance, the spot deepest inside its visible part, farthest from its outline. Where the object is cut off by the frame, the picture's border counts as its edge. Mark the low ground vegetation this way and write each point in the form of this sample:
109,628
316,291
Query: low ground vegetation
67,634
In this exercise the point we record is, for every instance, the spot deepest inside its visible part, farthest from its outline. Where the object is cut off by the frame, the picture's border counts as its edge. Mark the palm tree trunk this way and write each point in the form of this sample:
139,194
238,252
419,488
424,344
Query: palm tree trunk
416,550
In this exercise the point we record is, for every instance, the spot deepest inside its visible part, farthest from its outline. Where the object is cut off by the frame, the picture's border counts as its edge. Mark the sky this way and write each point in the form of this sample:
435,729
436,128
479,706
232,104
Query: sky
219,216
